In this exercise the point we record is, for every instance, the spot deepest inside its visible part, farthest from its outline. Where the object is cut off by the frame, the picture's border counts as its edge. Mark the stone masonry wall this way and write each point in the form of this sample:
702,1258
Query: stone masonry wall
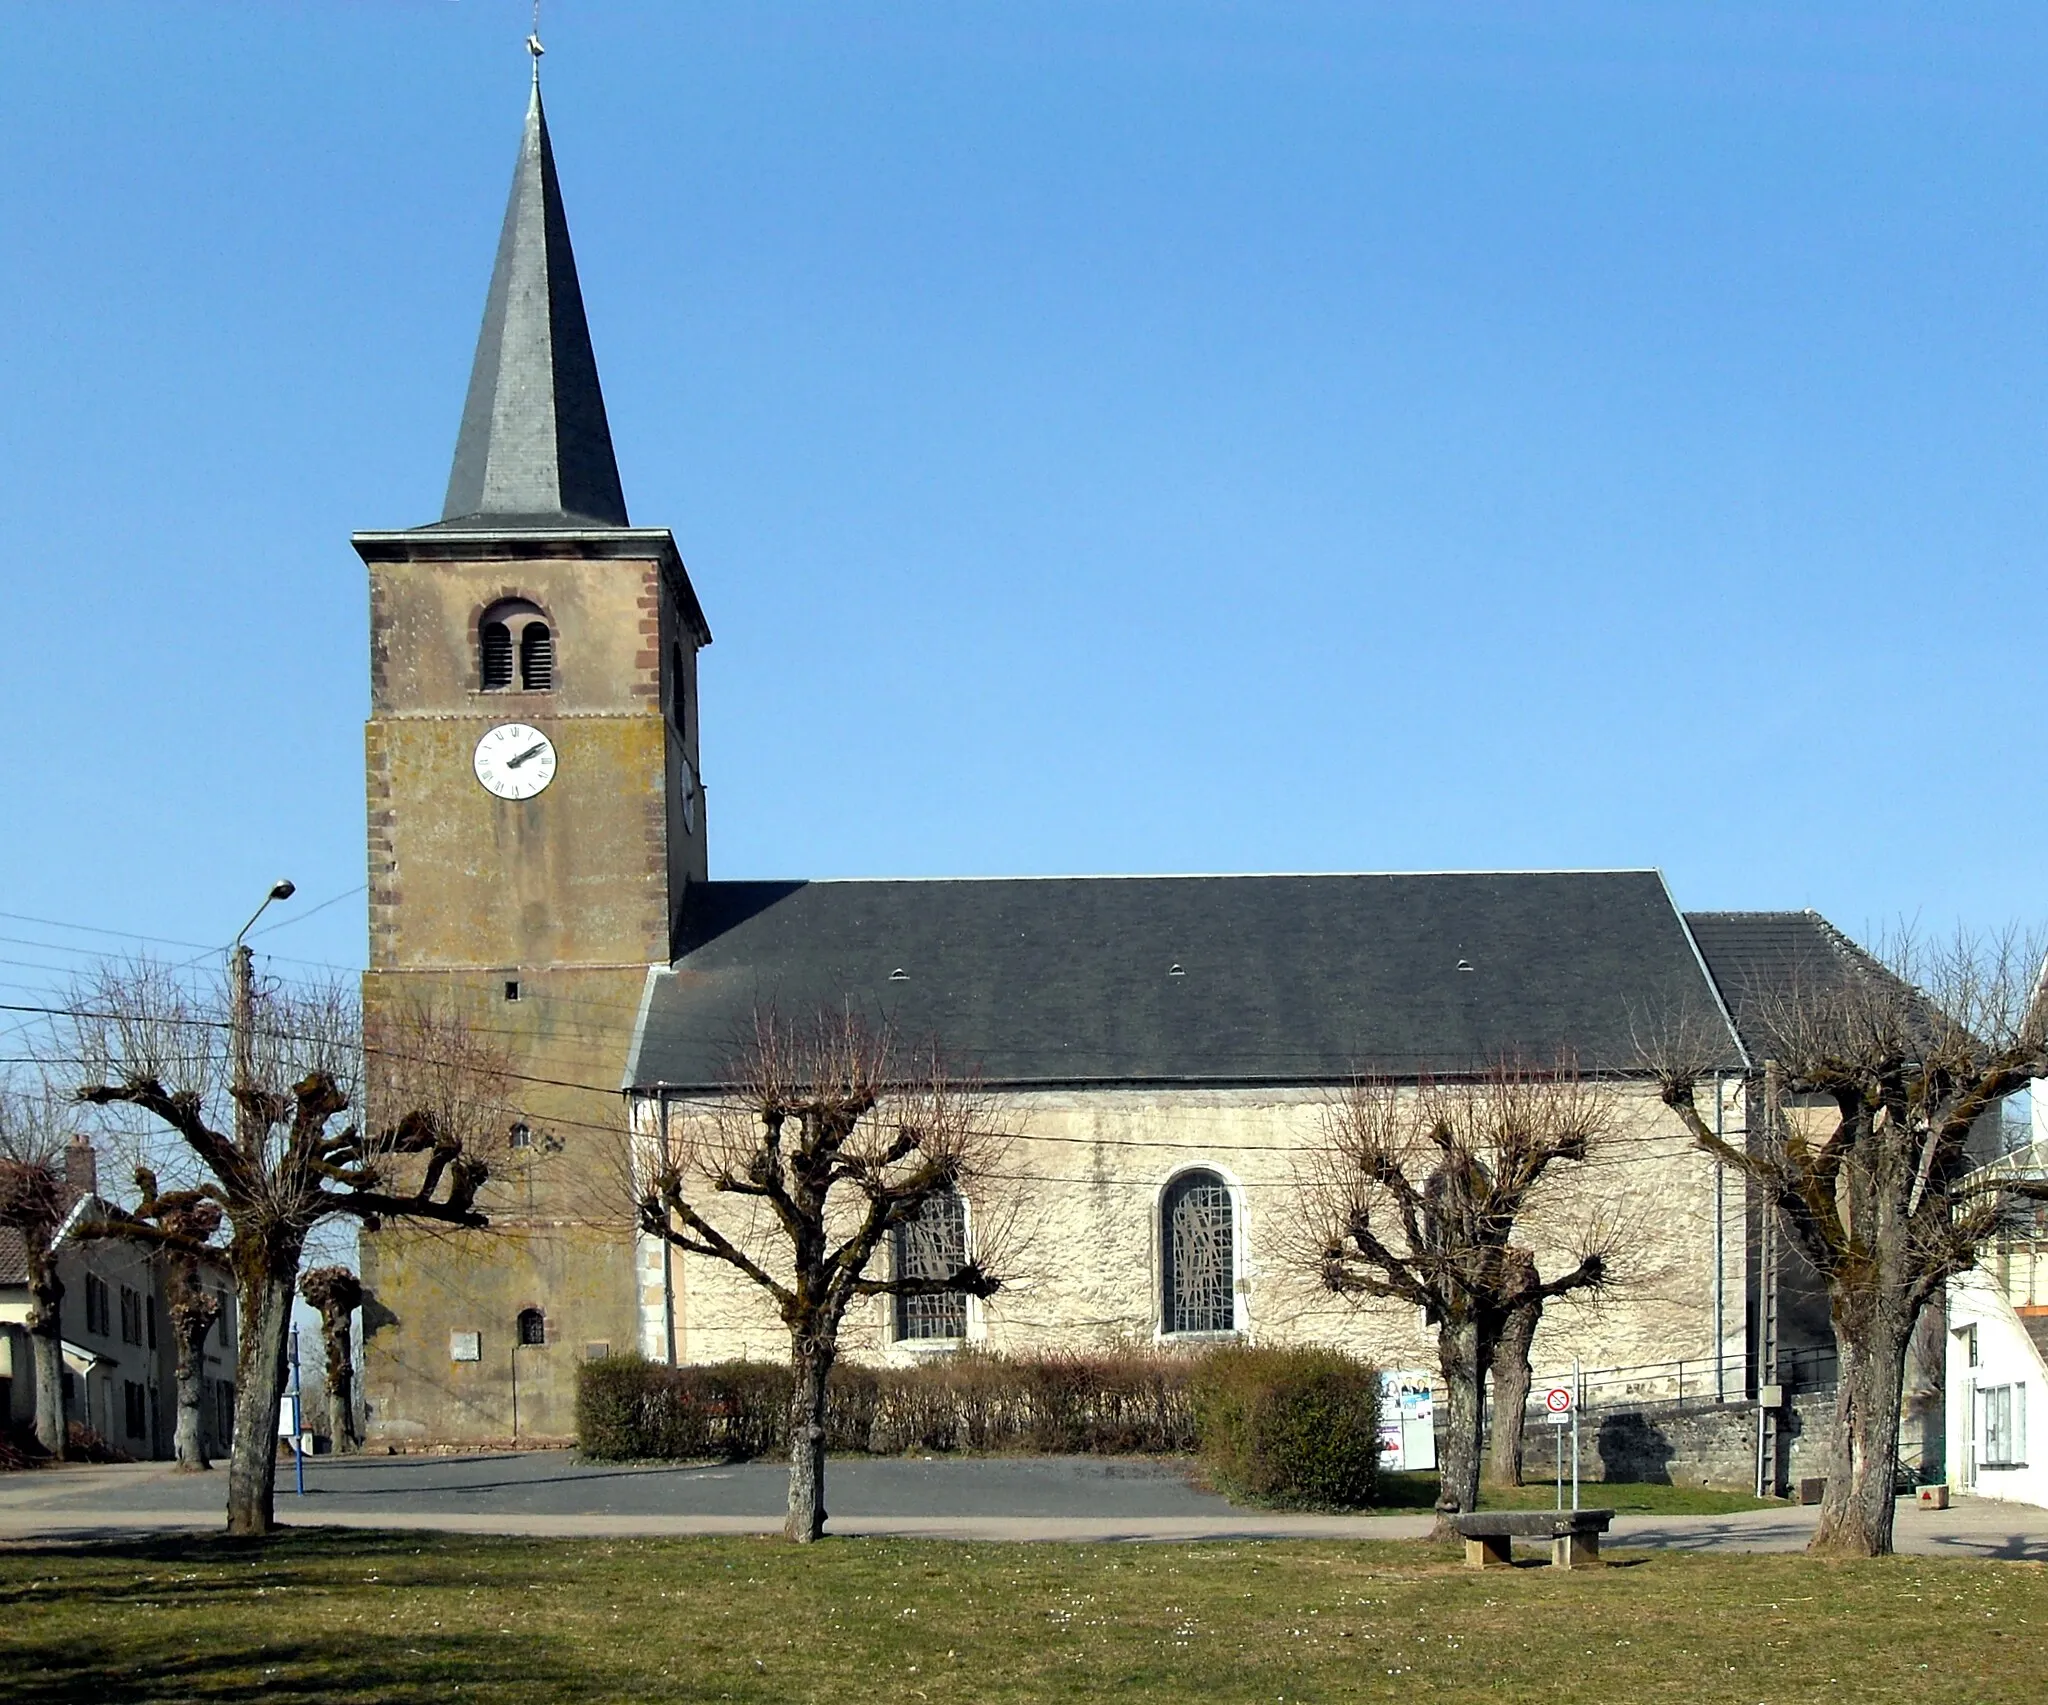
1091,1170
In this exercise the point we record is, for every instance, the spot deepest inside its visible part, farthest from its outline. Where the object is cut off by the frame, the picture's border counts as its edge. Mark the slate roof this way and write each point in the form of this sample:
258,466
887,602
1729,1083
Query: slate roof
13,1257
1187,980
535,448
1757,956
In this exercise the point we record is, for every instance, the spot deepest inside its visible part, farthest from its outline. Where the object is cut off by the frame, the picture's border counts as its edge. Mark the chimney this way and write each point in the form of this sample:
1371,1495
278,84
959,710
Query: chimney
81,1169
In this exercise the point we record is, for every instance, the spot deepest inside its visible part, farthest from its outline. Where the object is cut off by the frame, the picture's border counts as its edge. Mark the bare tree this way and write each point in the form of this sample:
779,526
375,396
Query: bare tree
35,1196
1415,1197
843,1138
337,1294
182,1224
1510,1371
263,1096
1903,1053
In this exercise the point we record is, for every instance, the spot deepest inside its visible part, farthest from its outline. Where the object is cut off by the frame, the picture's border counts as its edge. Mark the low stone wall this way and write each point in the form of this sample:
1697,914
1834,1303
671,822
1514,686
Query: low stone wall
1681,1443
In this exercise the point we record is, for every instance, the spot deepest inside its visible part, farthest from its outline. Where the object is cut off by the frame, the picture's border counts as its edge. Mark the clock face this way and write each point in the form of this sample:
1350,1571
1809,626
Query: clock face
515,761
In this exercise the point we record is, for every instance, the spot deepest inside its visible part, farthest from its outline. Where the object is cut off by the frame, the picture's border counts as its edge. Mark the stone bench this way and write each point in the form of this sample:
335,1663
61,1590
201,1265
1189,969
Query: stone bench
1574,1536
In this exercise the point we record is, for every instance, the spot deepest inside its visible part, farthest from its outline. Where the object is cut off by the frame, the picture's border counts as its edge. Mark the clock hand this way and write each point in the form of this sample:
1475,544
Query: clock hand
530,752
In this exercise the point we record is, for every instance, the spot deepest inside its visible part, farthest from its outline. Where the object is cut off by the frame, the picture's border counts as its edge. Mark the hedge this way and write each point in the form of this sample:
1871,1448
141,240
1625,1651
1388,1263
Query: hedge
1109,1403
1292,1427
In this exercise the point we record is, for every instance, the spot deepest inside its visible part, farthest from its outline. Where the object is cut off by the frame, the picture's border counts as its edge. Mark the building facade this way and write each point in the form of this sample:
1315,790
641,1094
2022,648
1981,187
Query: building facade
120,1361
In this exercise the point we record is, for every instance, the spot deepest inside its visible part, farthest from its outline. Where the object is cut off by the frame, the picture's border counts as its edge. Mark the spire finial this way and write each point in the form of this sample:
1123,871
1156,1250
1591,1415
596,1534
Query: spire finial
533,45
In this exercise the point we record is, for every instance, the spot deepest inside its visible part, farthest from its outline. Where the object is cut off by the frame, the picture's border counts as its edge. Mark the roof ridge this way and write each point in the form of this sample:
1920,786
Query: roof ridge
1202,875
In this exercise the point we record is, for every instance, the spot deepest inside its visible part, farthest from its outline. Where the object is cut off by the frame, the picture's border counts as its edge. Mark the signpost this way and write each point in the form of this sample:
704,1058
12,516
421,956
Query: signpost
1560,1412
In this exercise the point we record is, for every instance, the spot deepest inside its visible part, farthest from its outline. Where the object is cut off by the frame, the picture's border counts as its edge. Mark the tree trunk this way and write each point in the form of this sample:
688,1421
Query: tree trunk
806,1521
265,1300
1512,1378
341,1382
1460,1358
191,1434
1856,1510
46,1341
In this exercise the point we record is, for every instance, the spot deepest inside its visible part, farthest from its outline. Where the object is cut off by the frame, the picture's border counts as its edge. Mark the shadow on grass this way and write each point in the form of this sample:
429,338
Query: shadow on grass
204,1566
398,1669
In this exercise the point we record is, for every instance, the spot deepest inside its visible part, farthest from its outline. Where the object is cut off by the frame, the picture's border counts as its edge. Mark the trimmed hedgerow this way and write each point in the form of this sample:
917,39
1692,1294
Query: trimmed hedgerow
1111,1402
1293,1427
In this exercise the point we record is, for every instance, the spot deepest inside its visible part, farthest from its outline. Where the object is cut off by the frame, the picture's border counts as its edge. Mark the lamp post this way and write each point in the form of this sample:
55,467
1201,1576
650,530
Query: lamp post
241,1014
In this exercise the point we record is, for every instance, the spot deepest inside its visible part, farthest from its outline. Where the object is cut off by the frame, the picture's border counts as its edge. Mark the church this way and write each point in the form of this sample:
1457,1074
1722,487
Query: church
538,859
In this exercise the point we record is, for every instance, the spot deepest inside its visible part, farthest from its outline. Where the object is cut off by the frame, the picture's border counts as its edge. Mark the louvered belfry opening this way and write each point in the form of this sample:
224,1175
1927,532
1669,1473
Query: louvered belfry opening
1200,1249
537,658
933,1245
497,657
515,648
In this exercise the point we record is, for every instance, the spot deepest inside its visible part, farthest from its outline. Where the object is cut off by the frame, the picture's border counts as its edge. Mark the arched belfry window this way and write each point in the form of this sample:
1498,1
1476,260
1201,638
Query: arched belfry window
933,1245
533,1328
1198,1247
515,648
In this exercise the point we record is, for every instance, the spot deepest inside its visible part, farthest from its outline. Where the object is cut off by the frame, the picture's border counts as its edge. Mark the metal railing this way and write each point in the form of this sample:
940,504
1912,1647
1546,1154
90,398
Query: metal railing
1694,1379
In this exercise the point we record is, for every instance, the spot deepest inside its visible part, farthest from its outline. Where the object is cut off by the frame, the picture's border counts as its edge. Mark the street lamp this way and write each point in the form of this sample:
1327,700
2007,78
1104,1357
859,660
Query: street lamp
241,1015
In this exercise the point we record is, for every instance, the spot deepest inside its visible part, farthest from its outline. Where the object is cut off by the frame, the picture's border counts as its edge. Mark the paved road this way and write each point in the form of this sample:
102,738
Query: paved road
548,1493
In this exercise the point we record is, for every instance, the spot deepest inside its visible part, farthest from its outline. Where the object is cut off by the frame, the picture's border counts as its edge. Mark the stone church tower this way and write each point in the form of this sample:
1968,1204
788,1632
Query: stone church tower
535,819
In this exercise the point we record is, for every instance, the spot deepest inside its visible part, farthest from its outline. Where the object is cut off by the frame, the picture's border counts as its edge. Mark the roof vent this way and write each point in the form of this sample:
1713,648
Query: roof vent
899,975
1464,964
1175,971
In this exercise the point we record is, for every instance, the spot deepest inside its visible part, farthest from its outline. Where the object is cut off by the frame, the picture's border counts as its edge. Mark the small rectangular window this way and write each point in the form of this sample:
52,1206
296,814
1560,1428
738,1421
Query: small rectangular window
2005,1426
98,1312
511,988
131,1315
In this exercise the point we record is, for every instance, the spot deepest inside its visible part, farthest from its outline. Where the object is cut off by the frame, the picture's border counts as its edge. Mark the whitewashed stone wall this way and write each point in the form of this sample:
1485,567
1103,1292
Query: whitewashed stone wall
1092,1167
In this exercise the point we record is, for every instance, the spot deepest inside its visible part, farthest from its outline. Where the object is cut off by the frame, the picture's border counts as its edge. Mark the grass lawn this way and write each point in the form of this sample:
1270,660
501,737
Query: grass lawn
342,1615
1418,1492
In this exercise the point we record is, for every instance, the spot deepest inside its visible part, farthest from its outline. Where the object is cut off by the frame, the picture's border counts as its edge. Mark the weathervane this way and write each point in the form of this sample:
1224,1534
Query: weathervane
533,45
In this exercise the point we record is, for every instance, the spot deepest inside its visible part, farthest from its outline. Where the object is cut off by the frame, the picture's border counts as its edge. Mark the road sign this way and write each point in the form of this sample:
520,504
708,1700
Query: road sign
1557,1401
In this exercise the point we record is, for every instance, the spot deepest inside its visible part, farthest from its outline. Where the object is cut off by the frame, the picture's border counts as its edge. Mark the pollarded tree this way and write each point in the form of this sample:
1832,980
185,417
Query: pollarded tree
1414,1198
844,1139
266,1095
1896,1057
34,1198
337,1293
182,1225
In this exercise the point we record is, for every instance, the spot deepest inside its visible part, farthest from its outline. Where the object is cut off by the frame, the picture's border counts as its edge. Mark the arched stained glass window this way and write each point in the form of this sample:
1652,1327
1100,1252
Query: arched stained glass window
1198,1222
932,1246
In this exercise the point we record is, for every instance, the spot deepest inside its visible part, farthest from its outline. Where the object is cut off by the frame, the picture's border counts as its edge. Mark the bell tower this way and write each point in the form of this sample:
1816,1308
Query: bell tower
535,820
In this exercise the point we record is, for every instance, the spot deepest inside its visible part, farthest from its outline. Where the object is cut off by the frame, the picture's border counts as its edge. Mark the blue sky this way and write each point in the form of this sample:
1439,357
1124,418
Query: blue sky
1122,437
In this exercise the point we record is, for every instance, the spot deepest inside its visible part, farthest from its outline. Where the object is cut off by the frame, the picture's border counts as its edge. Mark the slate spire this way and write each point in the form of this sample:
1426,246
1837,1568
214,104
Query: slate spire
535,448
